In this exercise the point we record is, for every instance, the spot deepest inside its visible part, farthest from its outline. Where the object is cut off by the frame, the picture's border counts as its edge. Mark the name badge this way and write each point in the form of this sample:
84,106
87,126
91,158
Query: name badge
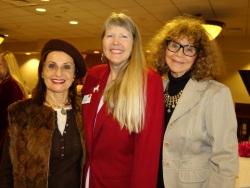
86,99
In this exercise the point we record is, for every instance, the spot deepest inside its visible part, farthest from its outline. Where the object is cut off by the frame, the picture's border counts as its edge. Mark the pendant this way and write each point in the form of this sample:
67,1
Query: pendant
63,111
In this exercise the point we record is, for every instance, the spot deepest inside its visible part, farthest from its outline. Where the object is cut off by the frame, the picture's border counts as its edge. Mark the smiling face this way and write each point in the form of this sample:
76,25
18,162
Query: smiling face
117,45
56,78
178,62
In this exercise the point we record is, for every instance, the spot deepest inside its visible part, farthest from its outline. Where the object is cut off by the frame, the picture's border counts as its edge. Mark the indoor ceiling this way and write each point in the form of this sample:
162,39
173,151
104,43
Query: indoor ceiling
20,20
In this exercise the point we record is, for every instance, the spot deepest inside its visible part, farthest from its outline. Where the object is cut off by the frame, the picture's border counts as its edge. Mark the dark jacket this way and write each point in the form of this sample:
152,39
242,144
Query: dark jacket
9,92
30,130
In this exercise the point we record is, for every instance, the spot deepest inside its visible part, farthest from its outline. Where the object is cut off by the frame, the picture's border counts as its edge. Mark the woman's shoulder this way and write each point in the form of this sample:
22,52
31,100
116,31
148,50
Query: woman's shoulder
218,86
210,86
21,104
153,74
29,107
20,111
215,85
9,82
97,73
27,110
154,80
98,69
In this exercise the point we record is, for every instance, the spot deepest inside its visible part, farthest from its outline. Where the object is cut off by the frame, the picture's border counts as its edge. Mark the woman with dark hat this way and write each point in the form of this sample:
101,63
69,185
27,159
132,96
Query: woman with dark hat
45,144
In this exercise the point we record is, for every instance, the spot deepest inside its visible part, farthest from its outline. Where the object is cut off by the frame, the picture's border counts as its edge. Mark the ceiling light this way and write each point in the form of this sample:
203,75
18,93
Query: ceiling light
213,28
1,38
41,9
73,22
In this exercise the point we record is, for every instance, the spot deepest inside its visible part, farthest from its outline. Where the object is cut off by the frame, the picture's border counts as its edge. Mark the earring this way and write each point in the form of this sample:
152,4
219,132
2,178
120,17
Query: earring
42,76
103,58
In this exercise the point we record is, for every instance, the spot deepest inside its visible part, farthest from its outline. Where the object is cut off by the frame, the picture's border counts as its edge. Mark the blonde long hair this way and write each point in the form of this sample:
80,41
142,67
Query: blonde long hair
126,96
13,70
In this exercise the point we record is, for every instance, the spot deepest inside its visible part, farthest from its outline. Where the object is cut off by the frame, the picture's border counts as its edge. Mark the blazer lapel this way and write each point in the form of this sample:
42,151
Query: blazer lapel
96,90
189,98
100,118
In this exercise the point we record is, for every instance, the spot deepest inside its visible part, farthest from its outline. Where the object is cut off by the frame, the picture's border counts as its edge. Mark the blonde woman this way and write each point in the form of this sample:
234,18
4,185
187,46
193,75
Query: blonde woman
122,112
12,89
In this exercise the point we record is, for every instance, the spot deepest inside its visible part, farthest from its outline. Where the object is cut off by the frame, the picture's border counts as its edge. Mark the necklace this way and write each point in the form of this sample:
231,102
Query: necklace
63,110
171,101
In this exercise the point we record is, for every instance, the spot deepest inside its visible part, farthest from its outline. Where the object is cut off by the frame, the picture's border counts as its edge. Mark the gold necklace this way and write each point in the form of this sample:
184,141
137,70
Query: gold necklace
63,110
171,101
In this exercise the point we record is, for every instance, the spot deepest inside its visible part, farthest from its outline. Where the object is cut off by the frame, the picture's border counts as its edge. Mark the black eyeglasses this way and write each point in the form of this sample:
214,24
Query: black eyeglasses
188,50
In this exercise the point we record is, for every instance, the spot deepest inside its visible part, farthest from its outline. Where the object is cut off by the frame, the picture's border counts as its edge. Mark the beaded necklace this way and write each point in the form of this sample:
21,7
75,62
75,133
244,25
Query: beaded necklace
171,101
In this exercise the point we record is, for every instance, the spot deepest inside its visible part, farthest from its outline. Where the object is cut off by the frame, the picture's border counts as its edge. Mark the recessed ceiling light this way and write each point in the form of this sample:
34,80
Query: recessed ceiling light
73,22
27,53
41,9
96,52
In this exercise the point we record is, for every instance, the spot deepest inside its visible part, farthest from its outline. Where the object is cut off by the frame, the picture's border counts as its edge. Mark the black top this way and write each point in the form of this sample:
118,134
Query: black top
175,85
66,154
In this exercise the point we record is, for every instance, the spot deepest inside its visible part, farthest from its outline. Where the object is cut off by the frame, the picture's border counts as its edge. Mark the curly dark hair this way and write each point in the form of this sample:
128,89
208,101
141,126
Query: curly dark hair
209,62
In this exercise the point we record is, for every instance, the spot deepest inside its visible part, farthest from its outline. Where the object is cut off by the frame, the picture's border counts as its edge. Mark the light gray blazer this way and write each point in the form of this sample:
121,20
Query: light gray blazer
200,146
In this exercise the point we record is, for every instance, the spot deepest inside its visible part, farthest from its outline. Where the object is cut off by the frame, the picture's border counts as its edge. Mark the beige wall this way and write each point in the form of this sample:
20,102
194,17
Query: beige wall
236,53
235,62
28,68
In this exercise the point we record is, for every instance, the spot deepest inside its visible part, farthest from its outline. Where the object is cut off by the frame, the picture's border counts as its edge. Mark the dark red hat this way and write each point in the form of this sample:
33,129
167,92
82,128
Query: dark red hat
61,45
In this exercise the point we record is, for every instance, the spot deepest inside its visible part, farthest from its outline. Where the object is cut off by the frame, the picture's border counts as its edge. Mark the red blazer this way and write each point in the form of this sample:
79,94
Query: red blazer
116,158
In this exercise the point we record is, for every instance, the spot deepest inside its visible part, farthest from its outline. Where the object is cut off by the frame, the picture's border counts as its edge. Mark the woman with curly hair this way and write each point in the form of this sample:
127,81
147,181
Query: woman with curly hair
200,142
